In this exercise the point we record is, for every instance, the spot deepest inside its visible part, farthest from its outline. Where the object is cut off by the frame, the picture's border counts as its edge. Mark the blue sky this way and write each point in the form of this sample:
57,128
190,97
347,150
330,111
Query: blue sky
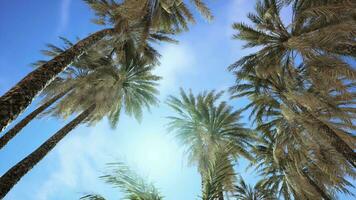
199,62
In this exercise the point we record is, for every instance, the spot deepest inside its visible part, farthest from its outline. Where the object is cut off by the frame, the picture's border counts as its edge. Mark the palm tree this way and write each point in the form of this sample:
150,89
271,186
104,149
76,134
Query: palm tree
205,127
295,154
129,19
246,192
320,33
103,92
112,87
88,62
289,176
130,183
58,87
289,160
316,44
326,113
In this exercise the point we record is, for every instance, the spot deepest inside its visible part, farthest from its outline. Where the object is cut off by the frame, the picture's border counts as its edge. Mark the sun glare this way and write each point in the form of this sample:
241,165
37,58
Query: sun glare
157,154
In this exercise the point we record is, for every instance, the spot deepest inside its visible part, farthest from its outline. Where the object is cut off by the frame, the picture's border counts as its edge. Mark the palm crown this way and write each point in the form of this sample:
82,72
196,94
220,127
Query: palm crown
203,125
112,86
146,15
313,37
206,128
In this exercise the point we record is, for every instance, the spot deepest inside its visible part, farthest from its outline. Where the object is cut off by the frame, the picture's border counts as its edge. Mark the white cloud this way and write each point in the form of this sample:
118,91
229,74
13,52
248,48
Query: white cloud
176,60
64,15
78,157
82,156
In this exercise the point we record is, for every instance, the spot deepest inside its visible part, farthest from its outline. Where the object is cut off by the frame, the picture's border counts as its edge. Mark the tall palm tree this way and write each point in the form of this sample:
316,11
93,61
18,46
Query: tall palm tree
205,127
275,109
297,153
326,113
104,92
88,62
317,40
60,86
289,160
128,19
289,176
130,183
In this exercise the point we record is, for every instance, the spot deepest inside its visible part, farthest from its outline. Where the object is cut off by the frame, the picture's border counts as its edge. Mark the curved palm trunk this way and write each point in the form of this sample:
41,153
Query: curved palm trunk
316,187
13,175
19,126
339,144
13,102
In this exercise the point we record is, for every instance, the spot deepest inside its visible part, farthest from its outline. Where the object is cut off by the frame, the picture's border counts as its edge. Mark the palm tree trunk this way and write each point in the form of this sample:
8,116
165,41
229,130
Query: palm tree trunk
339,144
13,102
316,187
19,126
13,175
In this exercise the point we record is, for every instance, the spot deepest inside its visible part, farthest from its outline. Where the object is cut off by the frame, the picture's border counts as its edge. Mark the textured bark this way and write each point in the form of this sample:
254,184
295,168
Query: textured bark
316,187
21,95
339,144
13,175
19,126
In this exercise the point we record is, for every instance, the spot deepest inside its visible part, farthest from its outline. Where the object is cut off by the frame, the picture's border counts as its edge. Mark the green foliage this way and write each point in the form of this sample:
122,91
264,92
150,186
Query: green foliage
131,184
112,87
298,82
163,15
106,79
218,173
315,35
138,24
246,192
204,125
203,9
287,130
212,135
